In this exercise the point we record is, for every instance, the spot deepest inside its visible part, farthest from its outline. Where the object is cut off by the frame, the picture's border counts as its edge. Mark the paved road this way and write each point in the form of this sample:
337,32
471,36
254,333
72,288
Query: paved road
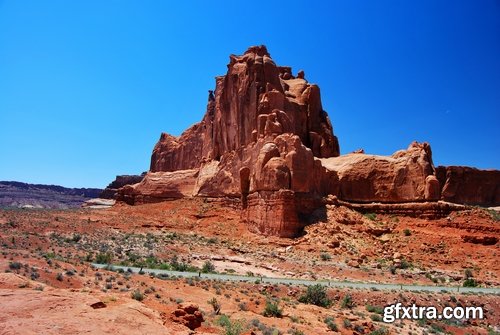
291,281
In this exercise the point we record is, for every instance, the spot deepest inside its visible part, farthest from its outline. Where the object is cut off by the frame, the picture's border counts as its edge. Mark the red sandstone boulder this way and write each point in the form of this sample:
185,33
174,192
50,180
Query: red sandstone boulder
188,315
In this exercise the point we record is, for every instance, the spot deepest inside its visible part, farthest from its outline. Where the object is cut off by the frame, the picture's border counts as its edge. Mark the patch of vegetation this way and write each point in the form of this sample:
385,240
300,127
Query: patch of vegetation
407,232
137,295
208,267
325,256
295,331
495,215
330,323
316,295
230,327
470,282
272,309
216,306
347,302
104,258
371,216
375,309
15,265
347,323
177,265
380,331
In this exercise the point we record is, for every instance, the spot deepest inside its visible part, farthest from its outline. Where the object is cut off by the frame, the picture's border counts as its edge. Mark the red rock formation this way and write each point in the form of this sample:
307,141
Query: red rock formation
407,175
190,316
468,185
266,139
110,191
255,98
159,186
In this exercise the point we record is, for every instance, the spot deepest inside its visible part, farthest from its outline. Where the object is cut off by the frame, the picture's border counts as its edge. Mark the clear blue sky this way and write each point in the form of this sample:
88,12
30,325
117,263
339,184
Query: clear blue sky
86,87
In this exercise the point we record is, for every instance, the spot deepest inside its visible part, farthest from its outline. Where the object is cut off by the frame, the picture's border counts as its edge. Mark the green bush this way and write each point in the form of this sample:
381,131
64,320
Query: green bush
137,295
325,256
375,309
330,323
208,267
347,302
230,327
272,309
470,282
316,295
371,216
103,258
15,265
407,232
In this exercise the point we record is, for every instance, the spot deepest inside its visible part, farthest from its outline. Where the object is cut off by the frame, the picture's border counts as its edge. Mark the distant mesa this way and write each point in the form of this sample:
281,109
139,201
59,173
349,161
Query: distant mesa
15,194
266,140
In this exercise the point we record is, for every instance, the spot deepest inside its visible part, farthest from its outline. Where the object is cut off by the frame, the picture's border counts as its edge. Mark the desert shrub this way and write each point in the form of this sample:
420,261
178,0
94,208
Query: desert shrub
181,266
347,302
380,331
60,277
407,232
347,323
137,295
273,309
316,295
243,306
103,258
230,327
371,216
208,267
468,273
470,282
216,306
325,256
15,265
375,309
295,331
330,323
376,317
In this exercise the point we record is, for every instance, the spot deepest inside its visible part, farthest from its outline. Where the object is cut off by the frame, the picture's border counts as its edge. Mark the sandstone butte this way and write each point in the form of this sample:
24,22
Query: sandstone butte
266,140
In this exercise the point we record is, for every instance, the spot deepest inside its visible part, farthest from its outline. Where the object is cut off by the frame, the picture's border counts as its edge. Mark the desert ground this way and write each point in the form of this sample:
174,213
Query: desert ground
48,284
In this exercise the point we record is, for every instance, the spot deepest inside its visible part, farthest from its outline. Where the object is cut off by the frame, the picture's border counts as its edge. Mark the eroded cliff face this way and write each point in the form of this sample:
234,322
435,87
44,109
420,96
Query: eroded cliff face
255,98
266,139
466,185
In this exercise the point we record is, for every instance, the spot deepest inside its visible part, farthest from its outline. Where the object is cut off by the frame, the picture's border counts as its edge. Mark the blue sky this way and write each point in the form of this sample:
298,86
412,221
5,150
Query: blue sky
86,87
